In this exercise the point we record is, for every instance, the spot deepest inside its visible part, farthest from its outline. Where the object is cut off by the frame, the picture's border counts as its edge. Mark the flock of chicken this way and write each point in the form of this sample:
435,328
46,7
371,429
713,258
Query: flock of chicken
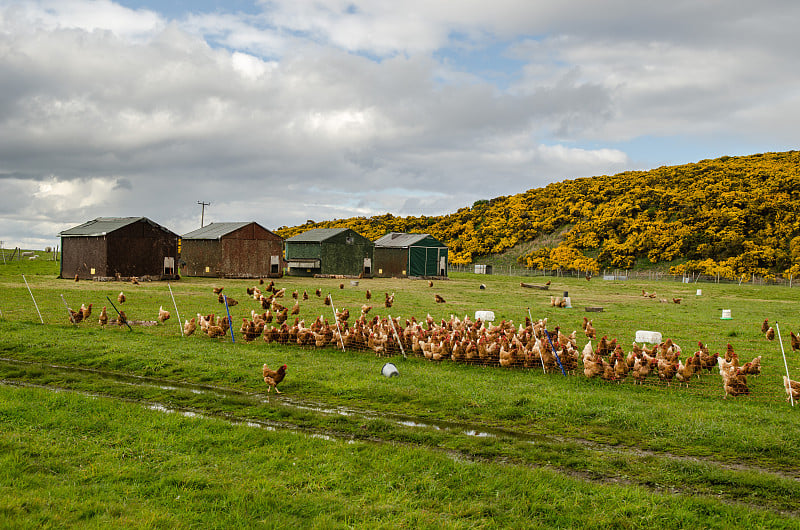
84,312
530,345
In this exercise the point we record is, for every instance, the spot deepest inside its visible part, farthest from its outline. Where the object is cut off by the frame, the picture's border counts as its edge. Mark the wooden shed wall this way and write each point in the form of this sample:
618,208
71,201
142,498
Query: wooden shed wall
79,255
199,254
249,257
391,262
139,249
246,252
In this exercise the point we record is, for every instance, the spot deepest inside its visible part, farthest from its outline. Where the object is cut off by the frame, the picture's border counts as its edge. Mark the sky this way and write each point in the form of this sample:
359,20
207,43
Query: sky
282,111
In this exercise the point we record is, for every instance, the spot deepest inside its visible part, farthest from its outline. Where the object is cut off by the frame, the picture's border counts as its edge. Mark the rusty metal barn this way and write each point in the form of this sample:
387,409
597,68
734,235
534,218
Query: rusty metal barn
232,250
329,251
126,246
399,254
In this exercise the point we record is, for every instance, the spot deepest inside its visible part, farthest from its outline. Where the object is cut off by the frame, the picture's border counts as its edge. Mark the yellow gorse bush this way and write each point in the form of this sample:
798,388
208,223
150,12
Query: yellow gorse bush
730,216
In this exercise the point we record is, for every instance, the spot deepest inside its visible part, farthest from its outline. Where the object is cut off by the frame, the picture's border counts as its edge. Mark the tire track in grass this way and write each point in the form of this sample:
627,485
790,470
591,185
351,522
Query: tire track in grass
453,429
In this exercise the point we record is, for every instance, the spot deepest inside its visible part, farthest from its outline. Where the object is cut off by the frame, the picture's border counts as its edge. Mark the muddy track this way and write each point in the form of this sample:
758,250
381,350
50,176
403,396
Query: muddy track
451,428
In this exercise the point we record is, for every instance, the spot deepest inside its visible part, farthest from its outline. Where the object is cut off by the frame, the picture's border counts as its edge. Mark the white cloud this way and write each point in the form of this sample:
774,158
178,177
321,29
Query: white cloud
87,15
326,109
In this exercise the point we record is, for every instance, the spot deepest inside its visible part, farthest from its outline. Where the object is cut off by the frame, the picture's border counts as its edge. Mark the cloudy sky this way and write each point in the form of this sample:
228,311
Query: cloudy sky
280,111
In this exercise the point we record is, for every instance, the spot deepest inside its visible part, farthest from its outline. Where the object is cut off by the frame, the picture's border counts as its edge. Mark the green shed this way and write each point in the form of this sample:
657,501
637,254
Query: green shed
399,254
329,251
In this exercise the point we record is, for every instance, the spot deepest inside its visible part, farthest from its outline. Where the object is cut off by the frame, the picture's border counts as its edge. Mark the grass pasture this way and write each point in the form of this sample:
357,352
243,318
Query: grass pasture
146,428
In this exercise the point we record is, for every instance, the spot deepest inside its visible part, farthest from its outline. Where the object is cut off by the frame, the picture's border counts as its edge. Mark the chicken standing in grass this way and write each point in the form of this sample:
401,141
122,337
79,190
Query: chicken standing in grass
795,341
792,389
76,317
103,317
273,377
121,297
163,315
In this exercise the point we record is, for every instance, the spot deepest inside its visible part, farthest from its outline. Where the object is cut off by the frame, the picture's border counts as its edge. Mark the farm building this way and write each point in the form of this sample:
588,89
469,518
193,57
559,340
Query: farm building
125,246
398,254
233,250
329,251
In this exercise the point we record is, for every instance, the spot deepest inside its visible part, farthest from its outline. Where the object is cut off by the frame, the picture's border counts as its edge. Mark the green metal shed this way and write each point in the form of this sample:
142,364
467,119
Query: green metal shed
401,254
329,251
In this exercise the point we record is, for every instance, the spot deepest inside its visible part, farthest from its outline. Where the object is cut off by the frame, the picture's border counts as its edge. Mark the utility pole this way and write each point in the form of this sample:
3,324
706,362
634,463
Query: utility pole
202,211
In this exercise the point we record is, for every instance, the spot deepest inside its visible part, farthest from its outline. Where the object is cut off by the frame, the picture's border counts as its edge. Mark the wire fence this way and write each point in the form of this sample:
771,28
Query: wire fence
622,275
477,343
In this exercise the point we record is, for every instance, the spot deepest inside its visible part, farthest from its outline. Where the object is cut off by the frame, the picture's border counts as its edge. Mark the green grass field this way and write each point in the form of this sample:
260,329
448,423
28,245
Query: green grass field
146,428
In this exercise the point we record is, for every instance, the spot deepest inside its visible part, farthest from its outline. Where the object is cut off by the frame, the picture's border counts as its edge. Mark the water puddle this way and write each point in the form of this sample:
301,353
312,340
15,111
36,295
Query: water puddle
479,434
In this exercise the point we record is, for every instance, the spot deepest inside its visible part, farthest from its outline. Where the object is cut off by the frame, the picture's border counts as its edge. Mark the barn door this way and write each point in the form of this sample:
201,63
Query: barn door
442,265
367,266
169,266
274,264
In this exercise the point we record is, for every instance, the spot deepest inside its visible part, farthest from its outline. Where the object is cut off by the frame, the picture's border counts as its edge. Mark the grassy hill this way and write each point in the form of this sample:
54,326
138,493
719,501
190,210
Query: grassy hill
730,216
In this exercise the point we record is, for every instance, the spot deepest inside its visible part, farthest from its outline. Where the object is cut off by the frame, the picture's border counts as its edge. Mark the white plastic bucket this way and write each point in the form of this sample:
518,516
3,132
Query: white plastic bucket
726,314
485,316
699,292
650,337
389,370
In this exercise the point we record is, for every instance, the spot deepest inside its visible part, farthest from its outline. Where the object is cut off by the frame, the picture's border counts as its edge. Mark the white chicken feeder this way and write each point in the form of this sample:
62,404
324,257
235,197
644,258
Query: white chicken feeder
484,316
389,370
726,315
650,337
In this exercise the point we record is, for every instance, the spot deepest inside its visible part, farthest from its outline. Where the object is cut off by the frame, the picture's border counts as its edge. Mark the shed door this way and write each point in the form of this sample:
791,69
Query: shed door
274,264
169,266
367,266
442,265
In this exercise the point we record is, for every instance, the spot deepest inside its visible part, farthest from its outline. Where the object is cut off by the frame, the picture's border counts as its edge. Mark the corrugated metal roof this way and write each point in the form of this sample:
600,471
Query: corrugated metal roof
214,230
401,240
316,235
101,226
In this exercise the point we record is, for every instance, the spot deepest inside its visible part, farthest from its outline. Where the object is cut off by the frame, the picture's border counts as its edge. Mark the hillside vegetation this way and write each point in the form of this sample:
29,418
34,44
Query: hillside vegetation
731,216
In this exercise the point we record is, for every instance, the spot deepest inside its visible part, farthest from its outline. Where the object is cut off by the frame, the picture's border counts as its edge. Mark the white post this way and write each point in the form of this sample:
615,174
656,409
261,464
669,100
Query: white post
180,324
34,299
778,329
399,342
540,351
67,308
335,319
